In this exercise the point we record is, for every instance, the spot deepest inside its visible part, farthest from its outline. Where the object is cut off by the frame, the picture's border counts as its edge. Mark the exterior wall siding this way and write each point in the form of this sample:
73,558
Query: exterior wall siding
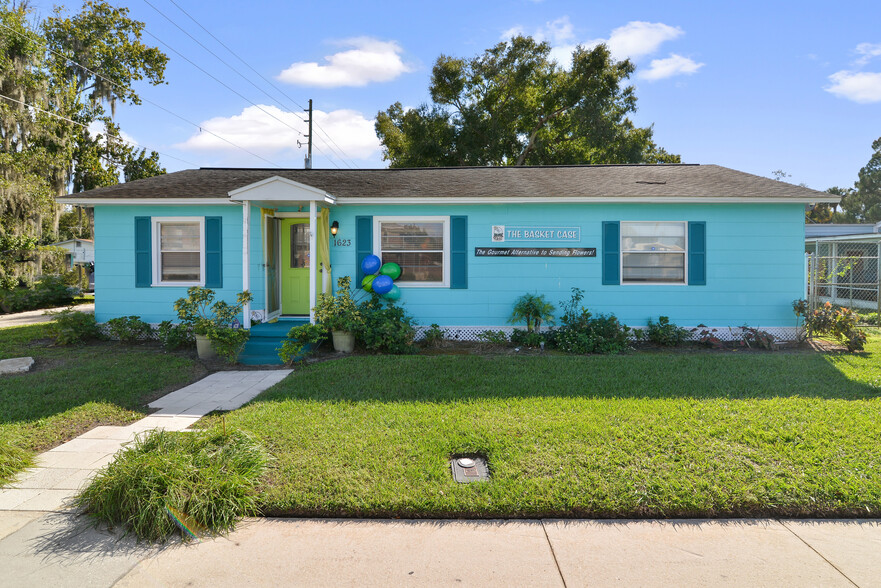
115,291
754,263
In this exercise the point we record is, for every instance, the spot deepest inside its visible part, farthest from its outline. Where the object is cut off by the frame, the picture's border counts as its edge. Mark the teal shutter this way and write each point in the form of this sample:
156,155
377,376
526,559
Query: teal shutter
458,252
363,244
213,252
611,253
697,254
143,252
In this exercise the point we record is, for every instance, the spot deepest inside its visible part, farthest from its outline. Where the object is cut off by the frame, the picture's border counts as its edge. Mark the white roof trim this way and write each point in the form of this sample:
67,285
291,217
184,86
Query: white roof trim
586,199
279,189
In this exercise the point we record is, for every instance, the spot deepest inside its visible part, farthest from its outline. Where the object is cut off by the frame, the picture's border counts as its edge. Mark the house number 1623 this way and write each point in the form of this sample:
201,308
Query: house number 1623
342,242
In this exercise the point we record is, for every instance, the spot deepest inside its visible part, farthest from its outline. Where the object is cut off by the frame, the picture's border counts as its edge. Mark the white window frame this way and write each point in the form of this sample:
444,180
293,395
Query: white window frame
377,244
157,222
621,252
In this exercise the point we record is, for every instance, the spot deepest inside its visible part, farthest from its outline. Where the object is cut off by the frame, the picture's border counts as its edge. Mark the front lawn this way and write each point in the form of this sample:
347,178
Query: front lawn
72,389
642,435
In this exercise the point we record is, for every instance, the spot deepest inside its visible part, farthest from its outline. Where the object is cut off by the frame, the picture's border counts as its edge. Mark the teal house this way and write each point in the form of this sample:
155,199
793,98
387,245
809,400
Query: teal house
701,244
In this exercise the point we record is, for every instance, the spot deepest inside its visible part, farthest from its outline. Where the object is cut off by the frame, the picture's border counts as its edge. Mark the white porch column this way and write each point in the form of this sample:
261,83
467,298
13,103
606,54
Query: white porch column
313,258
246,260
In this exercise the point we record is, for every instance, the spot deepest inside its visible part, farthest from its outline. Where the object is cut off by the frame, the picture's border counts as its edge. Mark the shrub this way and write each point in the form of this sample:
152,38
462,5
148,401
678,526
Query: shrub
339,312
129,329
755,338
581,332
491,338
707,337
48,292
200,313
72,326
228,342
301,341
174,336
665,333
534,310
839,322
528,338
206,478
387,329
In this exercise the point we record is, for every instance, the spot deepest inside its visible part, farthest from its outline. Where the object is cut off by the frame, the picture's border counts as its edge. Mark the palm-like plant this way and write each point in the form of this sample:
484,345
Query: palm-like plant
533,309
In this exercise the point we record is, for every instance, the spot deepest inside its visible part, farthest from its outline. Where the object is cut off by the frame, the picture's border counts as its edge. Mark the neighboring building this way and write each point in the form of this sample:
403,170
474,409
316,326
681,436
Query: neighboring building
701,244
843,265
80,252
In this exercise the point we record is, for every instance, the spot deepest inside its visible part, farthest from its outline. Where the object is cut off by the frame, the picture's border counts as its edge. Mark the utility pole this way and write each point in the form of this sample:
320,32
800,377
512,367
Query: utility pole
309,137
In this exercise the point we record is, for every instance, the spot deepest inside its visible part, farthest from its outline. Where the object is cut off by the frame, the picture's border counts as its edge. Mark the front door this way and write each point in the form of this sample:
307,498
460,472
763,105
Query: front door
295,266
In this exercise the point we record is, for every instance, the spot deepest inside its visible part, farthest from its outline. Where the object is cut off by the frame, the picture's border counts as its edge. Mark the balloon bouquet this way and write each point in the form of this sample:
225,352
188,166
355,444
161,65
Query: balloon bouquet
380,277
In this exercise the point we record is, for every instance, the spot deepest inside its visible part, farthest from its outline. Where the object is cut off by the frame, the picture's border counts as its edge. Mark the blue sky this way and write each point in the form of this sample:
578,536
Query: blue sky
755,86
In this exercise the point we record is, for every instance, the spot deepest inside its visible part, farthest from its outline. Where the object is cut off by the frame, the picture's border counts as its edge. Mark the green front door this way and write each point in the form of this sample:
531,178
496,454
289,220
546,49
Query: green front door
295,266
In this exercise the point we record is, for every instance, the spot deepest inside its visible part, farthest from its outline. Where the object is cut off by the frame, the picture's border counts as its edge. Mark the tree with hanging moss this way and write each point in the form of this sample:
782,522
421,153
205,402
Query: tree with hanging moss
58,77
515,105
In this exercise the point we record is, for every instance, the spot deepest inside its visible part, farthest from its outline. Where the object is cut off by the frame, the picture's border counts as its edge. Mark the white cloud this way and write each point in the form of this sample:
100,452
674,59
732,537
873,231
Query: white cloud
675,65
260,133
638,38
368,60
862,87
867,52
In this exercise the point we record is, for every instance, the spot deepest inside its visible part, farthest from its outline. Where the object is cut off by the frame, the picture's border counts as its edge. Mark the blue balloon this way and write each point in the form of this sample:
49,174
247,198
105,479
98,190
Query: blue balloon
382,285
392,294
371,264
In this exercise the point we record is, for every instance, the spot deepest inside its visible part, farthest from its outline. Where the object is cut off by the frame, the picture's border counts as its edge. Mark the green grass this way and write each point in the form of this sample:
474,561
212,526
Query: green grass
644,435
73,389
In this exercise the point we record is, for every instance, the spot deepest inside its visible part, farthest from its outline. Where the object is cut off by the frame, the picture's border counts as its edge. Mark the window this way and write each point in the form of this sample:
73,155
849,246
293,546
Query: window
179,251
653,252
420,245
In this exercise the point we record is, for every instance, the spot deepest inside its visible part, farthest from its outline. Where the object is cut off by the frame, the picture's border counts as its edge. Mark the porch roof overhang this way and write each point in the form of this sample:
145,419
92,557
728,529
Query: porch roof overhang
277,191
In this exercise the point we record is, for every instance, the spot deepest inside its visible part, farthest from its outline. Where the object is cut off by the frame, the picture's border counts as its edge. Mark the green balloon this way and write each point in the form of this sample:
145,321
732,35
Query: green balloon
392,294
391,269
367,283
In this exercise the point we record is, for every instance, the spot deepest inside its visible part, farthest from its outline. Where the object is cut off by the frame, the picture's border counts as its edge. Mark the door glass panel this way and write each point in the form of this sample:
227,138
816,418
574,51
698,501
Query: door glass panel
273,302
299,245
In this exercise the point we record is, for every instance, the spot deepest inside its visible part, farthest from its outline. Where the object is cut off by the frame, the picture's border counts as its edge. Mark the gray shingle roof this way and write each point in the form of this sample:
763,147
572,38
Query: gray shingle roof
588,181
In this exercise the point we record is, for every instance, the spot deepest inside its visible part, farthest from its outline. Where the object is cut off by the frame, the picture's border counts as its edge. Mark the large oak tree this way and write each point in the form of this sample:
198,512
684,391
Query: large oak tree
514,105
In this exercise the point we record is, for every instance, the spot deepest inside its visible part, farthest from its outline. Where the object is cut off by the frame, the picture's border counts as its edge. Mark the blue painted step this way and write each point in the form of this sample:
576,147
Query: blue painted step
266,338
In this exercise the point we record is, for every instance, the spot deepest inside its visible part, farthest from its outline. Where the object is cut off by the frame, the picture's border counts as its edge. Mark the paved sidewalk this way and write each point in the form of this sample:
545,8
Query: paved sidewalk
63,550
60,472
37,316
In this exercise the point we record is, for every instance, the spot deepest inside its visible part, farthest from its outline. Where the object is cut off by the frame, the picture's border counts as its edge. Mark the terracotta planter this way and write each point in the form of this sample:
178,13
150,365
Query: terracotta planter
344,341
204,348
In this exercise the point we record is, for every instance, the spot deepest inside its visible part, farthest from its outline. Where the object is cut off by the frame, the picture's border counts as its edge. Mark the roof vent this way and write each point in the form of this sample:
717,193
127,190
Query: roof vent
652,182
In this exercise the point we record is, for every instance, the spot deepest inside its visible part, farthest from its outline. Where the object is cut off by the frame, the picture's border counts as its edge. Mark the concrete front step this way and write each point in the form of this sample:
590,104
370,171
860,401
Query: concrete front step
266,339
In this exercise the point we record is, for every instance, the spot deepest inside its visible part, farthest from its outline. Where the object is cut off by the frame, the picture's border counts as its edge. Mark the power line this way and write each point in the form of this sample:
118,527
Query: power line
147,100
87,128
340,153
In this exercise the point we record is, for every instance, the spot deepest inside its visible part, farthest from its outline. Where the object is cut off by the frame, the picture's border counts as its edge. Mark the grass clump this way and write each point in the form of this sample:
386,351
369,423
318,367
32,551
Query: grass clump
13,459
207,479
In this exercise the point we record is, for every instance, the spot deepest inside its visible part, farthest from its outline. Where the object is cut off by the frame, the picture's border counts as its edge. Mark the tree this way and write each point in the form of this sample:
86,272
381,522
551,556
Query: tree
59,76
514,105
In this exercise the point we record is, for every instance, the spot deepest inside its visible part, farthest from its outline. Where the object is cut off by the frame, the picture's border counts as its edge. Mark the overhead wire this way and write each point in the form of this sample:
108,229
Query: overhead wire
64,118
339,150
147,100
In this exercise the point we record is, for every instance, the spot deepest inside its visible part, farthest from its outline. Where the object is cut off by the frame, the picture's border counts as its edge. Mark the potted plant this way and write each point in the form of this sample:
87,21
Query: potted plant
212,322
340,315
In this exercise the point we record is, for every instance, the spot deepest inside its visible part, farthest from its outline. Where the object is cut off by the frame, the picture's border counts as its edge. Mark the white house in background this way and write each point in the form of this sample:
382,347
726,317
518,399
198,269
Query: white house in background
80,252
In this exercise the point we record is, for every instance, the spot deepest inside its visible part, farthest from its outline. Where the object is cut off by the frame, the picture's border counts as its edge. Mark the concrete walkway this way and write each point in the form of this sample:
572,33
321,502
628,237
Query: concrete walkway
63,470
31,317
63,550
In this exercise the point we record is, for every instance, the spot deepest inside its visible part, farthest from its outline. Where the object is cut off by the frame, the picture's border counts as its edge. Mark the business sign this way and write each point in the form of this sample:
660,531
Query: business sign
535,252
502,233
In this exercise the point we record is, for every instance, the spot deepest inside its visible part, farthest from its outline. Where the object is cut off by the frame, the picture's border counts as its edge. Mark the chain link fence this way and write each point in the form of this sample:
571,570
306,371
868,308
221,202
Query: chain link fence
848,278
